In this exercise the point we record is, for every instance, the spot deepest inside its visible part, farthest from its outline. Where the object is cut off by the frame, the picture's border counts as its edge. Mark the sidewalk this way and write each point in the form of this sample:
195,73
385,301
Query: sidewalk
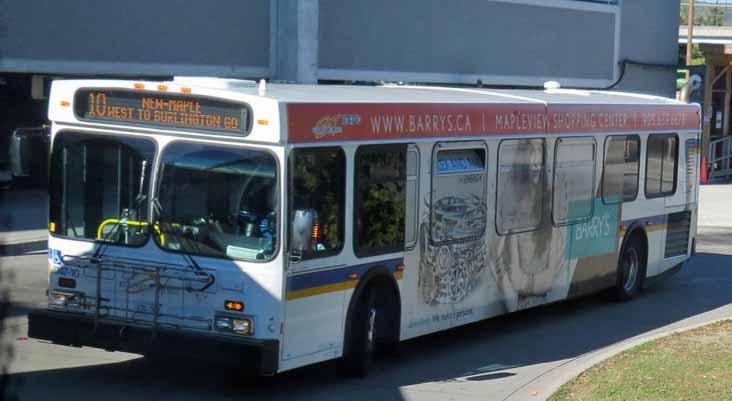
23,219
714,206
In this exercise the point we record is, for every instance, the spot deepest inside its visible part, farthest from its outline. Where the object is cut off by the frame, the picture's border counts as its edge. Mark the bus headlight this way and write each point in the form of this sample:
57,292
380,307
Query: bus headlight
242,326
64,299
223,323
234,325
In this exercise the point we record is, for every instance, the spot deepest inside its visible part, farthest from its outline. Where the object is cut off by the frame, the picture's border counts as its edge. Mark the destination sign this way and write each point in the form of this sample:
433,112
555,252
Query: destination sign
161,110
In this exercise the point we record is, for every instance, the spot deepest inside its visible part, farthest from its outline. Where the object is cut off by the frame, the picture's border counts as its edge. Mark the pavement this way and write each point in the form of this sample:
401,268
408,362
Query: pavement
522,356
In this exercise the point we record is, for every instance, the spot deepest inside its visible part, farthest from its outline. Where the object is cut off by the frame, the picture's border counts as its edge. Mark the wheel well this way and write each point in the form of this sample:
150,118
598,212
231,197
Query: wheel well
388,301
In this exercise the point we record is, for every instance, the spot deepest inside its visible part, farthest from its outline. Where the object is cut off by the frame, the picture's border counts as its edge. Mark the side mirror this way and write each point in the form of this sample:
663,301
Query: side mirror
301,235
29,149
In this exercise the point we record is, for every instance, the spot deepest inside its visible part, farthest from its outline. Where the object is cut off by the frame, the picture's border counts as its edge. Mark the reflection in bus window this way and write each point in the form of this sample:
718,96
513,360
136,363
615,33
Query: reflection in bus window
410,234
381,175
574,180
620,173
319,183
96,182
217,201
520,185
661,159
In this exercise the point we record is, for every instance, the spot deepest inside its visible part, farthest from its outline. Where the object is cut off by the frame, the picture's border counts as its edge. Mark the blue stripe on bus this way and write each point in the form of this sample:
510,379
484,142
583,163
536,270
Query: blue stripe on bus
337,275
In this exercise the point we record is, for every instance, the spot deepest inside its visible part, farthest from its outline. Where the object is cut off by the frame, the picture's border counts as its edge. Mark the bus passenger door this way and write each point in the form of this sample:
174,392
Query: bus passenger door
667,223
316,271
454,252
313,308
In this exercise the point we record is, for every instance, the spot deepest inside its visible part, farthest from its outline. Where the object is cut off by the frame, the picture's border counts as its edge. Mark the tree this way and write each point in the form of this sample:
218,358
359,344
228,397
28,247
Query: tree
706,16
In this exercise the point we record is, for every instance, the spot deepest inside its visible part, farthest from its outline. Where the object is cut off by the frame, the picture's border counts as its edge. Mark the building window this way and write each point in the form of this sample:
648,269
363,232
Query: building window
620,172
380,199
458,195
520,185
574,180
661,162
318,183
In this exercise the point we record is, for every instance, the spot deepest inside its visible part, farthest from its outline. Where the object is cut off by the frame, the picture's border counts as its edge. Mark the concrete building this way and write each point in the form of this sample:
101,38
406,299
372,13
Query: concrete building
715,95
620,44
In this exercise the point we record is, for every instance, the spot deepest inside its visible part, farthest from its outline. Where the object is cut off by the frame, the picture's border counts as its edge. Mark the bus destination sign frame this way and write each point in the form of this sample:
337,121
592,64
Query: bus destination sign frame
163,110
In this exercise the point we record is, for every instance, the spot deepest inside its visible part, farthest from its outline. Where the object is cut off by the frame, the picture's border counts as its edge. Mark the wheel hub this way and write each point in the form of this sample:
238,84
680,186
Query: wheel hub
630,269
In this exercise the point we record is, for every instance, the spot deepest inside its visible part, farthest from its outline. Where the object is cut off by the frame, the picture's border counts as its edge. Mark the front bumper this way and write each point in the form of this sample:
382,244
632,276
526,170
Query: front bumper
78,330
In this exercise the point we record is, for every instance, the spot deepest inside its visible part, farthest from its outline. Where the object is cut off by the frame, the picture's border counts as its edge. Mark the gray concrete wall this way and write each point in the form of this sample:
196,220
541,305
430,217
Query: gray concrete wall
649,34
498,42
501,42
136,37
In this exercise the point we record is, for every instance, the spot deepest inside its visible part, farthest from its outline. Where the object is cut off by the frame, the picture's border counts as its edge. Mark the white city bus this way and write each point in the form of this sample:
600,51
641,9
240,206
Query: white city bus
275,226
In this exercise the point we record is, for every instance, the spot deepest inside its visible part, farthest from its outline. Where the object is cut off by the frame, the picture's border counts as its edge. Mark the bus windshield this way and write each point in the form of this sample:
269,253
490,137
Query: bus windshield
99,186
217,201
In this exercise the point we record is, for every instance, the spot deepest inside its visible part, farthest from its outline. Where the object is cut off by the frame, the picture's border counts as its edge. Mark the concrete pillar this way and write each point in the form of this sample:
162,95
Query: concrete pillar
297,41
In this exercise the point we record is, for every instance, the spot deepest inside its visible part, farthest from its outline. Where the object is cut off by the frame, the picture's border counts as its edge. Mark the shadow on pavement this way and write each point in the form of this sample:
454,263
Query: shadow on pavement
487,352
23,209
23,248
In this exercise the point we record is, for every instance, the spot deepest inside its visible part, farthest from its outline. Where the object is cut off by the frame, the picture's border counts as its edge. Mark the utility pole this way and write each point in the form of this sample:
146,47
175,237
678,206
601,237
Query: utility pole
689,38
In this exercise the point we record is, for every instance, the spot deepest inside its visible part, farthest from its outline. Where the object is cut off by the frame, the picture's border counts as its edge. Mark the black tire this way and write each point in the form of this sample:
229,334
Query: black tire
631,270
361,338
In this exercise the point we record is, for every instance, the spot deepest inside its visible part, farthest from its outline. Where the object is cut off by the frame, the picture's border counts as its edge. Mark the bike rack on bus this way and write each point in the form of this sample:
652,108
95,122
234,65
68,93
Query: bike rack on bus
159,276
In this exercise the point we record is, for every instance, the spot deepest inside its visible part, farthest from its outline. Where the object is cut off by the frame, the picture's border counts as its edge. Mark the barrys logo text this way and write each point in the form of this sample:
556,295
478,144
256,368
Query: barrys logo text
334,124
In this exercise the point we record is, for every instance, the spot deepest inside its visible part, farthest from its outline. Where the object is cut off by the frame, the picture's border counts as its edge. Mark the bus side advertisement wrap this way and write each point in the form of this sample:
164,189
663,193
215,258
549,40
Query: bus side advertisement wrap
162,110
318,122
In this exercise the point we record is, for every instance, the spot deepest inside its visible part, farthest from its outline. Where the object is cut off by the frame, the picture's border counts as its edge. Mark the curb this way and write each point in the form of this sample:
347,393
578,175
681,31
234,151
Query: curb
542,387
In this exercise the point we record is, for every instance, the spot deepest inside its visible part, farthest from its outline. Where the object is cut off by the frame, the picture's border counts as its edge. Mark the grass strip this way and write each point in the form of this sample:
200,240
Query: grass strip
688,366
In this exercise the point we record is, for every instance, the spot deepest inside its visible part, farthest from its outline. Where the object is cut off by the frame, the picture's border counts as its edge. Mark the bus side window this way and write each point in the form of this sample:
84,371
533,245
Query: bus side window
574,180
318,183
380,199
520,185
620,172
662,155
458,195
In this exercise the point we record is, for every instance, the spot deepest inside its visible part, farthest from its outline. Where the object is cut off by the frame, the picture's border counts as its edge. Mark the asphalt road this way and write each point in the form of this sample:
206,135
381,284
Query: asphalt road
492,360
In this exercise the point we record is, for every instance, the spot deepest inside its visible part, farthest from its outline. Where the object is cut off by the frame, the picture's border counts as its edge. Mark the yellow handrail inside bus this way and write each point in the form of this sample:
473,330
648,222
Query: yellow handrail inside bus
133,223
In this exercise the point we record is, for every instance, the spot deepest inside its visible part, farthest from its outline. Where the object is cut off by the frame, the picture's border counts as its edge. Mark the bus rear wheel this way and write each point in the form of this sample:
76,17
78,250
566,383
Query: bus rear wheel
631,270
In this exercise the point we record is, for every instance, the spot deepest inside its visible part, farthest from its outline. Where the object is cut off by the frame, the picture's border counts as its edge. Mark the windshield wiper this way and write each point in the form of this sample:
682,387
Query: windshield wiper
188,244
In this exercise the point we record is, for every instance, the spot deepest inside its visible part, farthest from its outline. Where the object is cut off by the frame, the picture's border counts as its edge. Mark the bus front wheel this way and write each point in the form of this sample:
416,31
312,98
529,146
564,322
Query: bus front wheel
361,343
631,270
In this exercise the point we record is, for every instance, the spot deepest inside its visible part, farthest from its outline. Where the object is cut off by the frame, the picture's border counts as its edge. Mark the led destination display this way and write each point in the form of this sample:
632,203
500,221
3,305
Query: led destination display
161,110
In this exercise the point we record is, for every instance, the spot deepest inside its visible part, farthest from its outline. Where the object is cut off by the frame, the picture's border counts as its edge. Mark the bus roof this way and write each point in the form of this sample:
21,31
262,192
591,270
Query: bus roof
290,93
331,113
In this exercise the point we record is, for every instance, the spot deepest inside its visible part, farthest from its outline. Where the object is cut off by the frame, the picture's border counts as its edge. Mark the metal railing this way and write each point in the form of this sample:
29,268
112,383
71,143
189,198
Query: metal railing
720,159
